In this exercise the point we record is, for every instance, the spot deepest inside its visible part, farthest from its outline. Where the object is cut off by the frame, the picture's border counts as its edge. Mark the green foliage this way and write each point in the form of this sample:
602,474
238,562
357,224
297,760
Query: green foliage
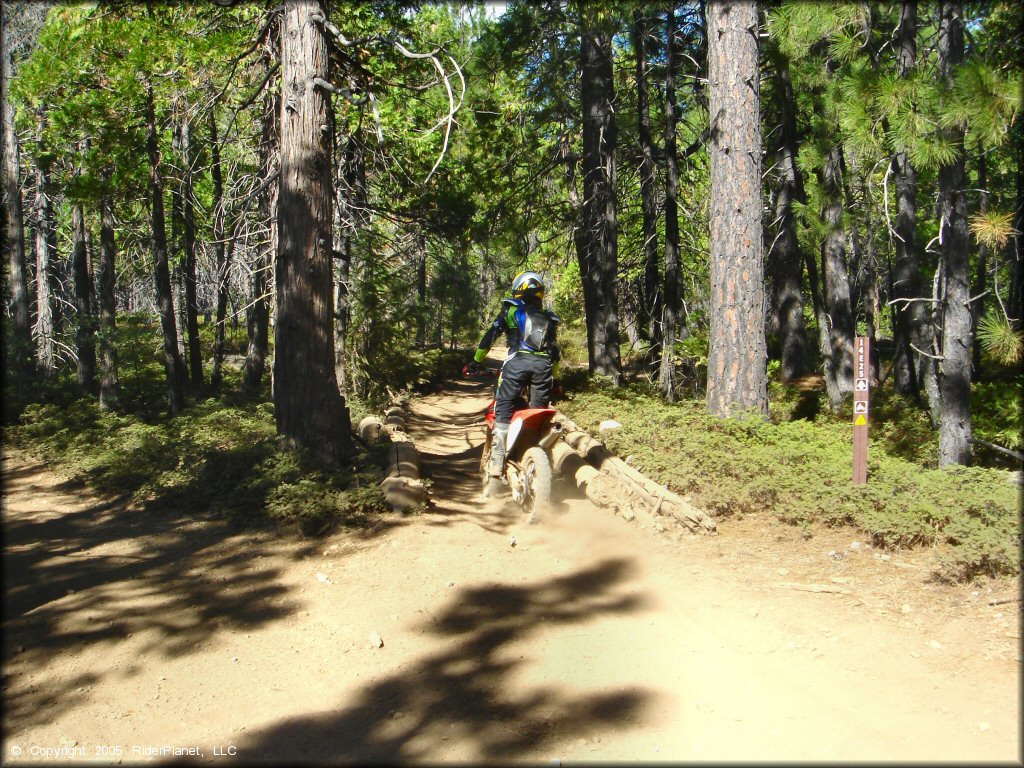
997,412
221,455
1000,338
800,471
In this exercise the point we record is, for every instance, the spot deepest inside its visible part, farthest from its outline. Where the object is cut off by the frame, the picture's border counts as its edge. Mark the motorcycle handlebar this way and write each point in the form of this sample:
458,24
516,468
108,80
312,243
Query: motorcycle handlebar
477,374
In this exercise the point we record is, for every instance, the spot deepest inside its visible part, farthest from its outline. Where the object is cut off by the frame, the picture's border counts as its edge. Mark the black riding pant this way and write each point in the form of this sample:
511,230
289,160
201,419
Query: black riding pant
523,369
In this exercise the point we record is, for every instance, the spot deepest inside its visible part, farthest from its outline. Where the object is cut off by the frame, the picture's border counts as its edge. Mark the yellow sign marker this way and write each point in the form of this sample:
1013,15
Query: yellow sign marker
861,421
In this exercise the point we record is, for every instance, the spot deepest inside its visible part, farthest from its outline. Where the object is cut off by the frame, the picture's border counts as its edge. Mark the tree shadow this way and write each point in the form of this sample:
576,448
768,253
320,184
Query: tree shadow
78,575
809,403
465,692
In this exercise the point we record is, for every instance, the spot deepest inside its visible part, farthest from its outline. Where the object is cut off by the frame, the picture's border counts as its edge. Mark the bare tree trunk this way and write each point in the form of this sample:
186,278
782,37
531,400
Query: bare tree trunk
785,259
421,288
738,359
980,274
599,222
110,386
221,249
188,216
20,353
351,207
837,283
173,364
85,323
649,314
46,255
308,407
913,371
955,384
1015,305
672,309
258,316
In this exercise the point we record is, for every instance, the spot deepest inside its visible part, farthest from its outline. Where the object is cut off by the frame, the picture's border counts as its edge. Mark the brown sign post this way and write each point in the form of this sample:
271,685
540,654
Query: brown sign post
861,369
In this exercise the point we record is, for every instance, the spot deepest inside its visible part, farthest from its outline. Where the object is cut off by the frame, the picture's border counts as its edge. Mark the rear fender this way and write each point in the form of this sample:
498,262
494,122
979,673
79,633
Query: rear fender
527,426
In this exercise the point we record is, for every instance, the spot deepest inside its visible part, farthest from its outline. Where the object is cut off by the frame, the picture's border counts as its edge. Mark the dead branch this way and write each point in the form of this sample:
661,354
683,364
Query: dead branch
825,588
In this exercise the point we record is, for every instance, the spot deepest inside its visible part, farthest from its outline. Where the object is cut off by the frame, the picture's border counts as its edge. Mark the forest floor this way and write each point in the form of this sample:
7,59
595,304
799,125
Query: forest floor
462,634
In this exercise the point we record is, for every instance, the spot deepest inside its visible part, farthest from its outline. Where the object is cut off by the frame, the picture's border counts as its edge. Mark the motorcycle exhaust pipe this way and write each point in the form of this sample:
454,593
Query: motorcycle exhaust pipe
549,439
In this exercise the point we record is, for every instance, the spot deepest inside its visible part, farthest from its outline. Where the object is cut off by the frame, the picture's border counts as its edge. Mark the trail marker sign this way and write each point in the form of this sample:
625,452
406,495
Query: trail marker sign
861,369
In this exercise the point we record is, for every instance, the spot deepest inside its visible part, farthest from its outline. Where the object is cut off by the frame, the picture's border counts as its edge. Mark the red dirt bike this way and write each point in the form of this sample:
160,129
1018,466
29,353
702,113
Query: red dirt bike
528,466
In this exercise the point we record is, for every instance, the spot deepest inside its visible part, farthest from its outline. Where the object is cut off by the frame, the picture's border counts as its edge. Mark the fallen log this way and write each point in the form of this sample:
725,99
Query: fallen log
659,499
401,485
370,428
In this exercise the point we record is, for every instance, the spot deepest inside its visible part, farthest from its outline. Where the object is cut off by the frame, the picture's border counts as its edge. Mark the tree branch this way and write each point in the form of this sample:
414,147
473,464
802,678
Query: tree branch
345,92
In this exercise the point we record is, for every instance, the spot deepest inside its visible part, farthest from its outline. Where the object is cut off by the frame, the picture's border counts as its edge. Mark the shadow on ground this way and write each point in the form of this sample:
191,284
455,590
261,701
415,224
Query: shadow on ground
463,698
79,574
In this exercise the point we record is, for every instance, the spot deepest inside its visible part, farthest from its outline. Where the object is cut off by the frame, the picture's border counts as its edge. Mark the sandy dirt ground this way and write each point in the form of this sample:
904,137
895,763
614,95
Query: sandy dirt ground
464,635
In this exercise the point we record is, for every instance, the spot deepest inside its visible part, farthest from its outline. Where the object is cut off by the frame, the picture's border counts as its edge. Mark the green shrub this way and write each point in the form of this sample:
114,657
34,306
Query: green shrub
213,457
800,471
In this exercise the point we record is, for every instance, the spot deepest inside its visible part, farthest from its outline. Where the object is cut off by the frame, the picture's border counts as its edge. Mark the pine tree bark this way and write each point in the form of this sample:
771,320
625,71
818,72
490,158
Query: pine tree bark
174,367
85,337
981,271
1015,304
352,216
221,251
20,353
737,362
257,318
672,309
307,405
785,258
110,386
913,372
649,314
188,214
421,288
600,217
835,271
46,256
955,430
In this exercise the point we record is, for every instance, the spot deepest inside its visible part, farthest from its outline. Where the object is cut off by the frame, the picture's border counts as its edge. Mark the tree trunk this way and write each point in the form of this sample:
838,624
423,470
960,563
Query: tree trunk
19,355
258,316
913,371
955,383
581,243
85,337
46,255
599,221
173,364
220,245
837,284
188,215
785,259
1015,305
110,387
421,289
649,314
308,407
737,361
351,207
672,310
980,274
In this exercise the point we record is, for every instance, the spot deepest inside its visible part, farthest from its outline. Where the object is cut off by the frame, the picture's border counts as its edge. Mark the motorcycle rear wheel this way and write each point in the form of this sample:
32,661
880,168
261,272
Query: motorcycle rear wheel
536,480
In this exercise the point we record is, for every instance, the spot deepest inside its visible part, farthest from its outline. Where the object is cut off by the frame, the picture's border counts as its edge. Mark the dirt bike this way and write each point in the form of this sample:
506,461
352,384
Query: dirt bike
528,465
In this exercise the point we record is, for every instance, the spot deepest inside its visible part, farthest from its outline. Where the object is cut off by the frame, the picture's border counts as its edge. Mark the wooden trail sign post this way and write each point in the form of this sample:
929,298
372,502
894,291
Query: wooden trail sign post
861,388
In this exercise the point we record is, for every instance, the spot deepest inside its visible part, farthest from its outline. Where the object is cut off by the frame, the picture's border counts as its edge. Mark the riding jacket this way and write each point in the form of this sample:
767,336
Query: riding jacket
528,329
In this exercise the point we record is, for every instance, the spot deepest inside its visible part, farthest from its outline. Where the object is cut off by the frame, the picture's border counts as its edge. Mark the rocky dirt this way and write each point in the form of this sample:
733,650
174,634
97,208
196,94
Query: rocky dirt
462,634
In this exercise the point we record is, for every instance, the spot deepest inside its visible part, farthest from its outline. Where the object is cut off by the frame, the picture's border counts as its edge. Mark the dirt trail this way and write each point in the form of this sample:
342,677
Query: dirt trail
584,638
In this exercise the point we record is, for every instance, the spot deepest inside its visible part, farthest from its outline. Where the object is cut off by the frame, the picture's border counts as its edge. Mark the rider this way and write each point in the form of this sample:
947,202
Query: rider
532,358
